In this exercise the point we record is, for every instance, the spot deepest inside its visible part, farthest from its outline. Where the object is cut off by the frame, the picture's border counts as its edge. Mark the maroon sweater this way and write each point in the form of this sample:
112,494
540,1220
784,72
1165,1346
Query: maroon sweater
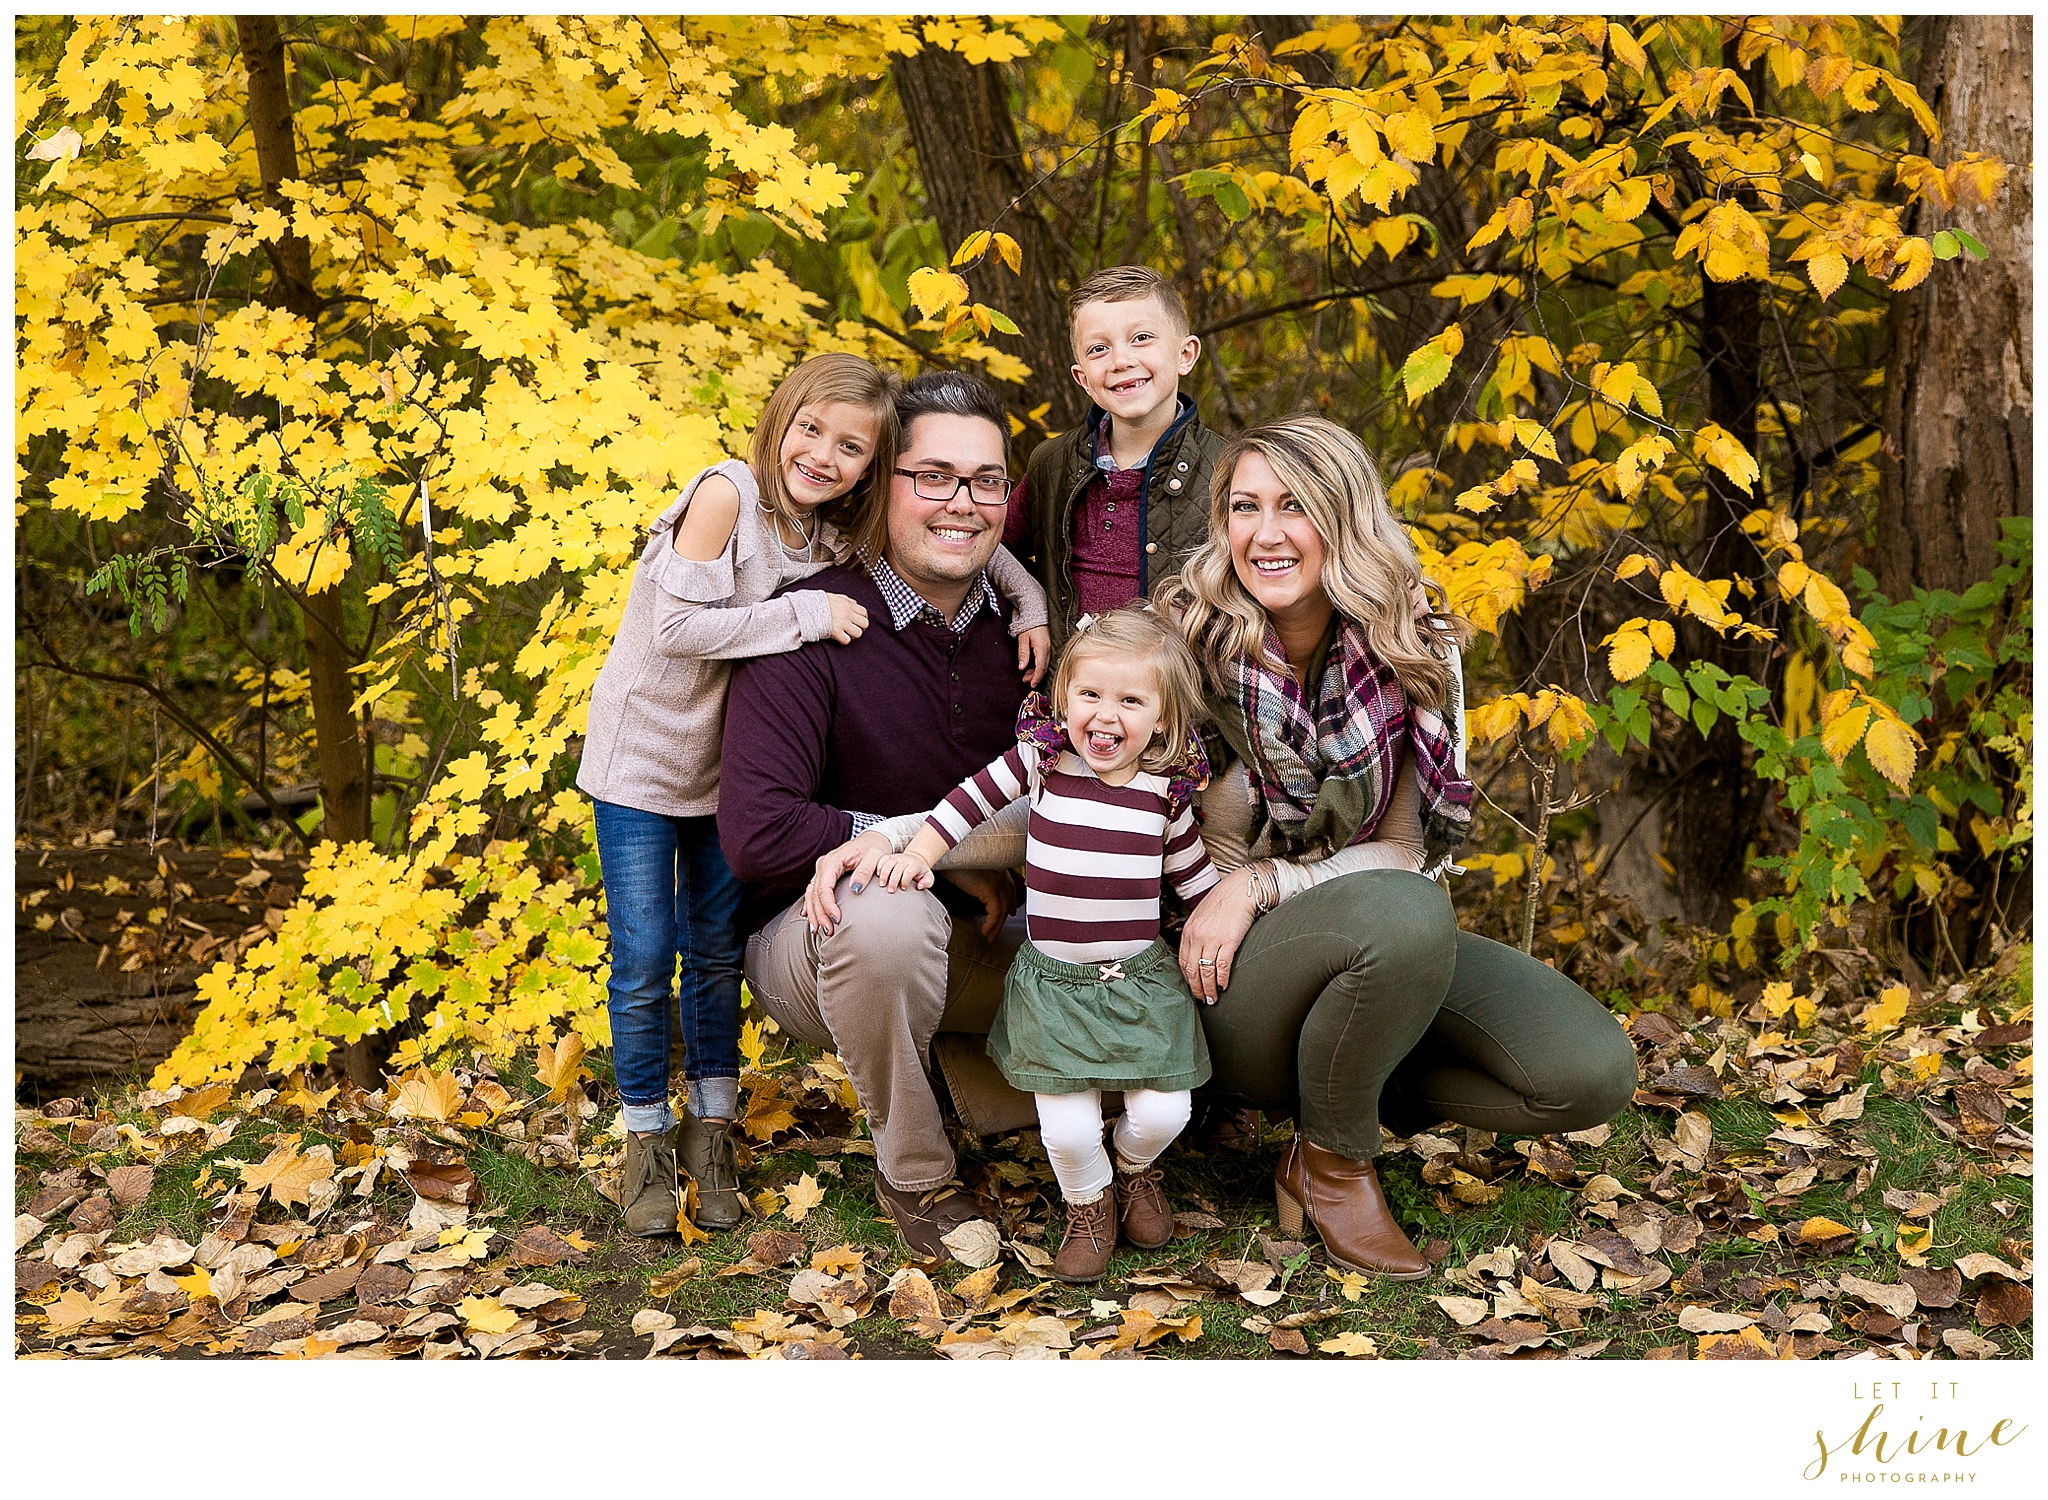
887,725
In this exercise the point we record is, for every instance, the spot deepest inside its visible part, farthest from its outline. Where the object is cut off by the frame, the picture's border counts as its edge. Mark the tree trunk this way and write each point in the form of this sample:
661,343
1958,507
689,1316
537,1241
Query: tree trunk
1959,393
974,174
1713,811
344,783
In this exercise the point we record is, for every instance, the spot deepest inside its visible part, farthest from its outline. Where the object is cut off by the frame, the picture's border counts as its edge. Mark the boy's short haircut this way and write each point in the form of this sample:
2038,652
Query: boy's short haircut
1128,284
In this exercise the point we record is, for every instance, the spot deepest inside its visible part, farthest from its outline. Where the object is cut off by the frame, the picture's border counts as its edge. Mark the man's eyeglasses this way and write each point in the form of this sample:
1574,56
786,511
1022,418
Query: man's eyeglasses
934,484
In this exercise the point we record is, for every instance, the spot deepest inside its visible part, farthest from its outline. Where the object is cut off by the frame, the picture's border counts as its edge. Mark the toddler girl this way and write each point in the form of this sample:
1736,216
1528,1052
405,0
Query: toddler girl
1095,999
700,599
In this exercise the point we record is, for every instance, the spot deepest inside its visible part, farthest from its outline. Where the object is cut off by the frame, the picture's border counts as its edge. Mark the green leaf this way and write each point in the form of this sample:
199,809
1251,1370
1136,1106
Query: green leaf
1678,701
1002,321
1971,243
1945,246
1425,370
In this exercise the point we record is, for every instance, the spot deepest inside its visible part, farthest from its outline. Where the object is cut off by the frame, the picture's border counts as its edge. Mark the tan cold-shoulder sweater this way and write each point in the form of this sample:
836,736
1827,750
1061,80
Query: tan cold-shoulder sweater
657,709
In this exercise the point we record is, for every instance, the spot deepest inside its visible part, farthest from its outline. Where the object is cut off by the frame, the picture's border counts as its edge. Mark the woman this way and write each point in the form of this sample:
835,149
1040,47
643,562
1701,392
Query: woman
1340,989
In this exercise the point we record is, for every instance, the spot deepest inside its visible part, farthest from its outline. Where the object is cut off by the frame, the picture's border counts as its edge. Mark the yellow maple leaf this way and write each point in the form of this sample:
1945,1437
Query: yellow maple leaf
558,1065
1889,1009
486,1315
766,1110
198,1284
427,1095
1351,1346
838,1260
287,1174
803,1195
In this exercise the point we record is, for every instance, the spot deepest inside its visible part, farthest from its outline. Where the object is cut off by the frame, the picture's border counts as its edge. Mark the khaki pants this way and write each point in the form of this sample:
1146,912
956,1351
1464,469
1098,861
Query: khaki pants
896,971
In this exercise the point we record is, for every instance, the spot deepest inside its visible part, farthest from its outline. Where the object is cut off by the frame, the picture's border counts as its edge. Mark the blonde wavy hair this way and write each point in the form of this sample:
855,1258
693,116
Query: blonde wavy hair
1369,571
1137,631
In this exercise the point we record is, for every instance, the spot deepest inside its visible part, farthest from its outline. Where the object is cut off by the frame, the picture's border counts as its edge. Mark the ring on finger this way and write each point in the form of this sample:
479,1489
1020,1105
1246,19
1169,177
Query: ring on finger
1205,963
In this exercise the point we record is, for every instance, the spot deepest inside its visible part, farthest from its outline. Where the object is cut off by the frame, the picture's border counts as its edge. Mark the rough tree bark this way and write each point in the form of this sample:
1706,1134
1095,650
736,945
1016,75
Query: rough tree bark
1959,393
974,174
344,781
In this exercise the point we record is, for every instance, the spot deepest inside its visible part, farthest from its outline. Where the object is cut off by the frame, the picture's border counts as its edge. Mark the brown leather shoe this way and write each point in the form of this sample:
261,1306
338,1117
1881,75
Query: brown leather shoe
648,1191
925,1219
1342,1198
1142,1207
706,1153
1089,1242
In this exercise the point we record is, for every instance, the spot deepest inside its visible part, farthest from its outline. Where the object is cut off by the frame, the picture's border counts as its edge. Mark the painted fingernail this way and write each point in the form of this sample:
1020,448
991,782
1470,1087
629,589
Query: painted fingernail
856,889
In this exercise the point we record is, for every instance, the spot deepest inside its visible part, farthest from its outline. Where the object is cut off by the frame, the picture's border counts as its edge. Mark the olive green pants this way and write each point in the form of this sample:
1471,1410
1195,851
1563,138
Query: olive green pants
1360,999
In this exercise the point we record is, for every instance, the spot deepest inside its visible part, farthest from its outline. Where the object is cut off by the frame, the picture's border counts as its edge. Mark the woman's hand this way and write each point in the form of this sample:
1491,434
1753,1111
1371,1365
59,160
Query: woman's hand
1210,940
857,856
1034,651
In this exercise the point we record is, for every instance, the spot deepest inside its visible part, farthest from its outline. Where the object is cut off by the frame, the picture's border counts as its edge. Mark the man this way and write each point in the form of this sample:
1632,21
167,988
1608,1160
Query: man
822,742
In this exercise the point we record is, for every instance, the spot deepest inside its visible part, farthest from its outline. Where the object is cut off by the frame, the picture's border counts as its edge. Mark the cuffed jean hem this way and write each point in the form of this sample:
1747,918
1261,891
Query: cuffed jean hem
713,1098
649,1119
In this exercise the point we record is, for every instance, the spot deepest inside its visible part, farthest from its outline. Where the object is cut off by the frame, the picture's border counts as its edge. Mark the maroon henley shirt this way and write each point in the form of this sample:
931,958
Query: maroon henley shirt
887,725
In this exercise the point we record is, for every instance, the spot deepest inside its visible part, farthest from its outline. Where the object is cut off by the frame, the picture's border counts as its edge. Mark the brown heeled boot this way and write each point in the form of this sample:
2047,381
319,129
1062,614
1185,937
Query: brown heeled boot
1342,1198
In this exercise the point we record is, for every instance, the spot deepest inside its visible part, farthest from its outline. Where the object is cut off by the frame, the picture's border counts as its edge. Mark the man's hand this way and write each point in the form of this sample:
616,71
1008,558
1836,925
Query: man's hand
996,892
857,856
1034,653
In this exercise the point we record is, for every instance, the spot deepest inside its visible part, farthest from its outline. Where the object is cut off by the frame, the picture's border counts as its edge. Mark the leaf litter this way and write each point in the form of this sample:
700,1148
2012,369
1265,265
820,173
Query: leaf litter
383,1244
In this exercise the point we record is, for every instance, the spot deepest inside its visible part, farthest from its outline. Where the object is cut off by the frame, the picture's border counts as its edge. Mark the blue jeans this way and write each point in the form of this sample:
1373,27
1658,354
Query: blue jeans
670,894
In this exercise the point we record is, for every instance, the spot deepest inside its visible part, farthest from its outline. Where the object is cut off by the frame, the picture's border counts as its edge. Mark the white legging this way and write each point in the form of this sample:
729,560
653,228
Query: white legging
1071,1127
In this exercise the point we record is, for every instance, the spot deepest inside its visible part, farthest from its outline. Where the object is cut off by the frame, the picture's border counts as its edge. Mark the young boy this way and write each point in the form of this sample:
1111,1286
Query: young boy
1111,507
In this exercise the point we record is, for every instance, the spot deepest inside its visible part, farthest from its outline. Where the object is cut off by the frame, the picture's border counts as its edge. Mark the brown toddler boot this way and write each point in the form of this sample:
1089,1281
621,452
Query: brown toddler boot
1089,1241
1141,1205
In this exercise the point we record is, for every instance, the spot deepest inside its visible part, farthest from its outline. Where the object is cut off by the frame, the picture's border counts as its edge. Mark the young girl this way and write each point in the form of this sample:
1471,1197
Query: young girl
700,600
1095,1000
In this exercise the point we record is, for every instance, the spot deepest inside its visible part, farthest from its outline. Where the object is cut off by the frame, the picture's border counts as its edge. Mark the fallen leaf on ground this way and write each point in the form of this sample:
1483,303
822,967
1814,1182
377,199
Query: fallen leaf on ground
652,1320
2004,1303
287,1174
1464,1311
801,1197
1968,1345
1705,1320
1897,1299
1351,1346
427,1095
486,1315
538,1245
974,1244
130,1185
669,1282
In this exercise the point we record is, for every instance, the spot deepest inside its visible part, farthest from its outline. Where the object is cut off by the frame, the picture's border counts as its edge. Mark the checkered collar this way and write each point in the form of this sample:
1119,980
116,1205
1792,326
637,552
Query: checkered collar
906,604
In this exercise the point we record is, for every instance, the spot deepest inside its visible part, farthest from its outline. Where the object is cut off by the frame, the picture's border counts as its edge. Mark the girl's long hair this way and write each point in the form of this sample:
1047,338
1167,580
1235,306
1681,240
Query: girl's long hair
819,380
1370,570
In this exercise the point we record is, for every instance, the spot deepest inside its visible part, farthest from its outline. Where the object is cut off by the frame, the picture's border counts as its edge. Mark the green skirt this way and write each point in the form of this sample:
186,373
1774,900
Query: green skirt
1063,1028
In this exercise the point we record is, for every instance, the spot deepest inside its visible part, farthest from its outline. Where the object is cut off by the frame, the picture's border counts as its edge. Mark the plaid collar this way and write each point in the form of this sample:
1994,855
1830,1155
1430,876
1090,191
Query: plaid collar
906,604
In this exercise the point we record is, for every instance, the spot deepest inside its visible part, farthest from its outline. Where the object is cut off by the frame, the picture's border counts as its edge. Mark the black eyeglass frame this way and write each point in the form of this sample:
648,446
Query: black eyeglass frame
958,482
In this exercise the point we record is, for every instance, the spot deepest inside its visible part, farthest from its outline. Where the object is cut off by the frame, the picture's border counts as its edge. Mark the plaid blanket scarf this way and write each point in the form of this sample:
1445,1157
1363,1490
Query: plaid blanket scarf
1323,770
